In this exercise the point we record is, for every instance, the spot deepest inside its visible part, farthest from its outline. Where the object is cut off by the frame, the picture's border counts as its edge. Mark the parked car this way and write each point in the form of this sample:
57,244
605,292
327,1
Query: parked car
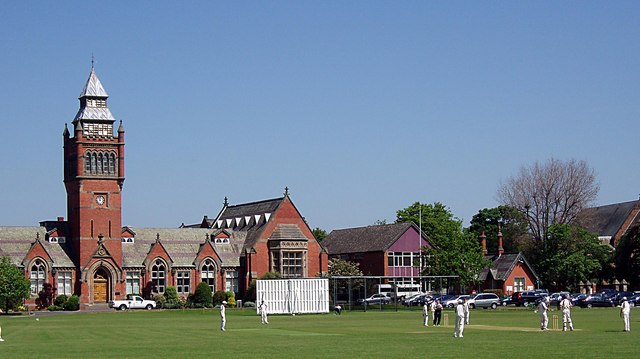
453,301
577,298
556,298
375,299
527,297
133,302
634,300
597,300
508,300
418,300
617,298
484,300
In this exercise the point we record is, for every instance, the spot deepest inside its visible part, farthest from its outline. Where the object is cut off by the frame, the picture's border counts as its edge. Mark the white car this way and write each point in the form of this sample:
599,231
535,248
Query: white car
134,302
452,302
484,300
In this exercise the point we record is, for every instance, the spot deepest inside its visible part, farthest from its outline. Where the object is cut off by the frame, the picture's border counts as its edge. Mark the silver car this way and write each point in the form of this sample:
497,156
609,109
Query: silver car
484,300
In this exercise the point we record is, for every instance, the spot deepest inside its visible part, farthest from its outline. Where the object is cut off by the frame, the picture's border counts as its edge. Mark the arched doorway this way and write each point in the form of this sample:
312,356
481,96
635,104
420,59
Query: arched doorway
101,286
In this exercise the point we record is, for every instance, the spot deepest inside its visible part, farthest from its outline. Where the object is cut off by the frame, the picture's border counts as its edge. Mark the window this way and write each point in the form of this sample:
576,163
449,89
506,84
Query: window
518,284
37,276
133,283
292,264
402,259
208,274
112,164
183,282
64,283
232,281
159,276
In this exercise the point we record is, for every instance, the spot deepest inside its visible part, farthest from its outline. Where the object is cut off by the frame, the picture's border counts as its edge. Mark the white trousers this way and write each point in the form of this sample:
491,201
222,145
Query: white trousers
263,317
627,322
566,319
459,327
544,320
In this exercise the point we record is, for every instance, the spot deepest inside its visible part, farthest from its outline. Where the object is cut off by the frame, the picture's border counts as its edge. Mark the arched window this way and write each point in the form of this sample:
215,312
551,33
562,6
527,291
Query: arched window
208,274
112,163
100,158
37,276
159,276
93,163
87,163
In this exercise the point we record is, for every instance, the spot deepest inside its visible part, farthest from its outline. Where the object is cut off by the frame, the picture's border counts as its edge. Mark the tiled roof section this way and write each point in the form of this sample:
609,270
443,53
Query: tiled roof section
251,209
289,232
607,220
502,266
364,239
15,243
182,245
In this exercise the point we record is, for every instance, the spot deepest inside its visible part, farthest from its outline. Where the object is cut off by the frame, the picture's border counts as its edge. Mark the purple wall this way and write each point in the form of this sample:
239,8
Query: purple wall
408,242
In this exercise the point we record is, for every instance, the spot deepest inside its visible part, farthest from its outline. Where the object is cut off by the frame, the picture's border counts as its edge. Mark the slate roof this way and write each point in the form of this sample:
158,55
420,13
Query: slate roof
15,243
364,239
501,266
182,245
607,220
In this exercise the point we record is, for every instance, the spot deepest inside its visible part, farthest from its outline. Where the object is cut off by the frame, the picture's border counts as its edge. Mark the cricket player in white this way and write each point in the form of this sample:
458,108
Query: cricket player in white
263,313
466,311
625,314
459,328
223,317
425,313
543,308
565,305
1,340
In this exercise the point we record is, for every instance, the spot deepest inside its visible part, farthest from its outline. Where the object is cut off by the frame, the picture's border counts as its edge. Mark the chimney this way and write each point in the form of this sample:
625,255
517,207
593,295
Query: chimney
500,249
483,242
60,219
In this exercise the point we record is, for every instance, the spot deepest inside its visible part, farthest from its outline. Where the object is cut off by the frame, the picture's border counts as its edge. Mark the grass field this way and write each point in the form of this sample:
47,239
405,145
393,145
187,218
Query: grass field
502,333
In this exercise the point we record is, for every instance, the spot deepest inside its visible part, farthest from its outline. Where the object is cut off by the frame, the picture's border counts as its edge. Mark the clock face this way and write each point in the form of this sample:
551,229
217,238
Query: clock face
100,200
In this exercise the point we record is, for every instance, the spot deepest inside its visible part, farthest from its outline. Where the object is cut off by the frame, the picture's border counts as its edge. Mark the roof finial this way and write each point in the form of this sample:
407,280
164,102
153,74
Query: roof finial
92,60
286,191
226,201
157,237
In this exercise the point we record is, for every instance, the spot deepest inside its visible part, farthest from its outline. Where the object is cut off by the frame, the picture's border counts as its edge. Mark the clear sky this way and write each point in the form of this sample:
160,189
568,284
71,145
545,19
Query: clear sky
360,107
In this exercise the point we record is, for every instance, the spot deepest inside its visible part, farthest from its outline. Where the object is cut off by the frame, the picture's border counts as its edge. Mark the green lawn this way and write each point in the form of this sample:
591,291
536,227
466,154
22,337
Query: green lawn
502,333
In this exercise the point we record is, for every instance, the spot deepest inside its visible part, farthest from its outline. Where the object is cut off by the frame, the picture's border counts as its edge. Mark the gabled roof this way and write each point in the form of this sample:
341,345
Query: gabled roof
365,239
502,266
15,243
607,220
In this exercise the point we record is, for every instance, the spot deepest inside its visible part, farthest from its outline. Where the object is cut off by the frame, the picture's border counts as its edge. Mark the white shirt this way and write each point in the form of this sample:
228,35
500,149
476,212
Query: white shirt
222,309
565,304
542,307
460,311
626,307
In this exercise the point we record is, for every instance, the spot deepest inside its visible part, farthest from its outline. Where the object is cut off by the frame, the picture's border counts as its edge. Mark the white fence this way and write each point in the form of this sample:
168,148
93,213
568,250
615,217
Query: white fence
293,296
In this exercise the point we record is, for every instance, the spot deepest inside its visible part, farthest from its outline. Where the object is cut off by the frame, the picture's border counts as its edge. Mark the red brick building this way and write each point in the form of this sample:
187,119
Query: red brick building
93,256
510,272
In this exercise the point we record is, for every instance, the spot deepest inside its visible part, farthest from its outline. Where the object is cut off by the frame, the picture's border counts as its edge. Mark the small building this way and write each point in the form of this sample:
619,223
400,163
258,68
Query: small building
391,250
509,272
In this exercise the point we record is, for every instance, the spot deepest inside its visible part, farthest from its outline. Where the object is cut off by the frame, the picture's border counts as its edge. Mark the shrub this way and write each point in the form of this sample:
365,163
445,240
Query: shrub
231,298
218,297
202,296
171,298
72,304
160,301
54,308
60,300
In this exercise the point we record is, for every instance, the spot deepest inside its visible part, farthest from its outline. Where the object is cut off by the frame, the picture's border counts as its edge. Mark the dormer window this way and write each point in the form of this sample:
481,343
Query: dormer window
57,240
127,240
221,241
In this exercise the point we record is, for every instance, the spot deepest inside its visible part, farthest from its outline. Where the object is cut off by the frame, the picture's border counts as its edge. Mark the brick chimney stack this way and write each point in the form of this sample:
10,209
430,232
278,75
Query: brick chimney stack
483,242
500,249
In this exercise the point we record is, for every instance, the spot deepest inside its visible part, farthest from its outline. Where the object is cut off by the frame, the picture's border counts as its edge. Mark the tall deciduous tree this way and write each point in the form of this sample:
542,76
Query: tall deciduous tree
340,267
509,221
627,257
14,287
550,193
455,252
319,234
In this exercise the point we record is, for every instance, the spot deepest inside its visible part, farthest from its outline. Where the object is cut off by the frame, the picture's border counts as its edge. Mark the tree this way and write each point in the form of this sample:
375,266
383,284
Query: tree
202,297
339,267
627,257
455,252
550,193
509,221
14,287
319,234
572,255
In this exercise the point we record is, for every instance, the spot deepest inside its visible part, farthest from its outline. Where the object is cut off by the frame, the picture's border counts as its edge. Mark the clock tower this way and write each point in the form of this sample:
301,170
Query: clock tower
93,177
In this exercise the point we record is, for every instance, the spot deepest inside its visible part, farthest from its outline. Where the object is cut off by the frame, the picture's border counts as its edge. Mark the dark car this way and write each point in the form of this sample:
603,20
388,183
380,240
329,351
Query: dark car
577,298
508,300
617,298
634,300
418,300
597,300
525,298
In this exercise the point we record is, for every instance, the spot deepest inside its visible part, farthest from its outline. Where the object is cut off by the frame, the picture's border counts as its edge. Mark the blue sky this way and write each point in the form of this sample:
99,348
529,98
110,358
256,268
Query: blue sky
361,108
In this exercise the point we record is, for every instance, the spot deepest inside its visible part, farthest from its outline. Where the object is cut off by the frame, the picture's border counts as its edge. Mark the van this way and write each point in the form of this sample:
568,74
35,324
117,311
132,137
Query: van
399,291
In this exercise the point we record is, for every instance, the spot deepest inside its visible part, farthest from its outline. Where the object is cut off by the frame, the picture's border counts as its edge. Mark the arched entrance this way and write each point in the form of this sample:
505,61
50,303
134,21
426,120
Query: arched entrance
101,286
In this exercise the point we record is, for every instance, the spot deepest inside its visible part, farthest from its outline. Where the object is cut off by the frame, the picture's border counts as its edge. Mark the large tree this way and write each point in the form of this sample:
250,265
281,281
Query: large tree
14,287
550,193
339,267
505,219
573,255
456,252
627,257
